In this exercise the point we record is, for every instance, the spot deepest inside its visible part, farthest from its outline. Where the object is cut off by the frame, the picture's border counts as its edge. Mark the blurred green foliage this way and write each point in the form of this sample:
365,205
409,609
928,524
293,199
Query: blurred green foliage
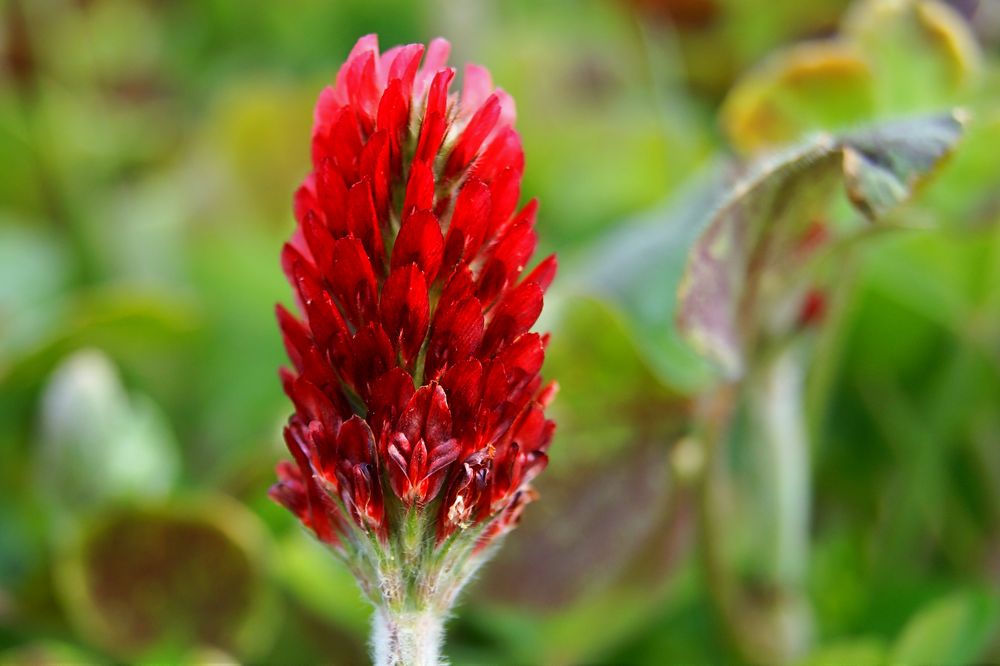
148,152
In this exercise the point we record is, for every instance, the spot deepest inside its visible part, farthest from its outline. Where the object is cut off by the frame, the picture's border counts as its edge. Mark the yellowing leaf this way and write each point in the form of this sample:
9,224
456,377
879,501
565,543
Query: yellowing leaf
810,86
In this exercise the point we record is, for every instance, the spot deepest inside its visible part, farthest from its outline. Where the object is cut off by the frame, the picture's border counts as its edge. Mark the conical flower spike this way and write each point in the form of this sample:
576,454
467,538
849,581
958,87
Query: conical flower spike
419,410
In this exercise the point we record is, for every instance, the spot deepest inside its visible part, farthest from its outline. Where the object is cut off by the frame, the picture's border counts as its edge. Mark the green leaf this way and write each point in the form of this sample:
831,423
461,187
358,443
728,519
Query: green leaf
855,652
637,268
968,193
949,632
46,652
321,582
34,270
592,347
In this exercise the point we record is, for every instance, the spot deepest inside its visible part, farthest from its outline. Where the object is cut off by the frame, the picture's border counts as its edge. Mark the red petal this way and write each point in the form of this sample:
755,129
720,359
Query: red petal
531,433
305,199
372,357
364,223
504,151
355,442
366,44
290,491
404,66
437,94
393,119
507,260
419,242
495,386
351,281
332,196
472,136
419,190
506,190
437,56
523,359
345,144
360,86
548,394
431,134
468,223
427,417
405,310
368,494
319,241
319,518
296,337
476,86
436,469
327,325
390,395
313,404
455,335
326,114
544,272
374,166
441,456
463,385
514,315
435,117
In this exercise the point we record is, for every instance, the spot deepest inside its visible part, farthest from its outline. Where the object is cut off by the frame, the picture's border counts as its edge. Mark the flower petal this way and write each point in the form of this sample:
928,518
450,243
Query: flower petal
405,310
351,280
468,223
419,242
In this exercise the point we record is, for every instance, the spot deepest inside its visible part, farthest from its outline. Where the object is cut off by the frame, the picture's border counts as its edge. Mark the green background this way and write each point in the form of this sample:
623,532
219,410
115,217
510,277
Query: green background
148,153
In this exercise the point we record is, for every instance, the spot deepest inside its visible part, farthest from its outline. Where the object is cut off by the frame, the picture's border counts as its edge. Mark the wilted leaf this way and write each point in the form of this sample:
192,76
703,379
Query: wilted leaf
922,51
885,163
810,86
742,270
164,578
890,57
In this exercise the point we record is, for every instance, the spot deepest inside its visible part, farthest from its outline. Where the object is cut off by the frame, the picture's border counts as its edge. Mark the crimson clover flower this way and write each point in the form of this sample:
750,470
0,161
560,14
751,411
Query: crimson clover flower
419,409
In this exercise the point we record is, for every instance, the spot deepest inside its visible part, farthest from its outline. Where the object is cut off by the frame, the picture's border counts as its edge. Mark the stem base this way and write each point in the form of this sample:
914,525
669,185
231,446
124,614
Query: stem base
407,638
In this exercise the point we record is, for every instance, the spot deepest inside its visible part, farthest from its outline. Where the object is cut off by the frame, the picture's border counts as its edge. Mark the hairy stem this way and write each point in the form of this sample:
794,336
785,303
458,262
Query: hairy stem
407,638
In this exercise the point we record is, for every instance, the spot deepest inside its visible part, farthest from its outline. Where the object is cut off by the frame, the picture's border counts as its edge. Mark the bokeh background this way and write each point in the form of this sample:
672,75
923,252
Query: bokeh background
148,153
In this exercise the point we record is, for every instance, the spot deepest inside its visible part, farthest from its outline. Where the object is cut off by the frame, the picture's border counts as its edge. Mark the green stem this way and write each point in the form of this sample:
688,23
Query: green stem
776,401
775,628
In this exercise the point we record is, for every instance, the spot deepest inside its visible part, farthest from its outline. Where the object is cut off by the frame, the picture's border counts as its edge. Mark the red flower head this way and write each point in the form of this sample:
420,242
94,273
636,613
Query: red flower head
416,382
